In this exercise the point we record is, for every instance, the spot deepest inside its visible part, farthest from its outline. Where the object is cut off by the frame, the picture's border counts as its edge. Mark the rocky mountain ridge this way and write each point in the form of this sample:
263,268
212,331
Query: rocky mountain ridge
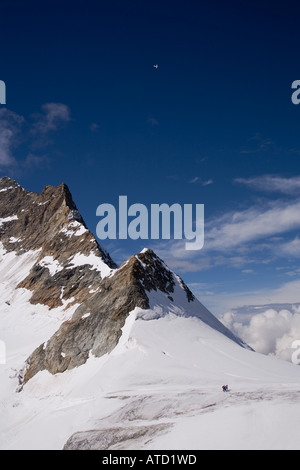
71,266
50,223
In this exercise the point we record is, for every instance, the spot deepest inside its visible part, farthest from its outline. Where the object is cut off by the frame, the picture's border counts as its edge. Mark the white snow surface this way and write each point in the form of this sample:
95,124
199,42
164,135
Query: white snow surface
94,261
51,264
3,220
74,228
168,368
6,189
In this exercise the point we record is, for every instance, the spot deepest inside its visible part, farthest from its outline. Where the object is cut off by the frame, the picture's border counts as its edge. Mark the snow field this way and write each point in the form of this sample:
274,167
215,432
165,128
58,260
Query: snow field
167,370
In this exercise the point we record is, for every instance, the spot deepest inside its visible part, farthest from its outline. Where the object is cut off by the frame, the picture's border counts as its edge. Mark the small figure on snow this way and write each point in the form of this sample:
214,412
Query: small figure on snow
225,388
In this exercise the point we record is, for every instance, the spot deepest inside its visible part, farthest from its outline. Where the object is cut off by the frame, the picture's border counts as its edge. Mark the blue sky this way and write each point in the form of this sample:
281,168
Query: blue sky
213,125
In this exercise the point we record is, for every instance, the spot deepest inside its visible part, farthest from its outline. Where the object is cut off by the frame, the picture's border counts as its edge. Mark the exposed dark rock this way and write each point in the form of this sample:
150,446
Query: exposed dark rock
32,221
115,438
97,323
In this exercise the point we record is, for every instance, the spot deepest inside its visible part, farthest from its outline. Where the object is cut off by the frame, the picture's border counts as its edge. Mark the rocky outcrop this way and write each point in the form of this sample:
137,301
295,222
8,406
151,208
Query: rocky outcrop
70,263
115,438
96,325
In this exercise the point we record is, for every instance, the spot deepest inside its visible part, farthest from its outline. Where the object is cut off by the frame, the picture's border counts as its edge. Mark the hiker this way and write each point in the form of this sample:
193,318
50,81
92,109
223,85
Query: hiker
225,388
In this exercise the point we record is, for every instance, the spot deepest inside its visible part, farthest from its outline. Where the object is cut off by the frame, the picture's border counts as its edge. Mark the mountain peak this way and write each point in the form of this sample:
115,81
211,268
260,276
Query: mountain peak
6,181
8,186
50,225
156,275
61,192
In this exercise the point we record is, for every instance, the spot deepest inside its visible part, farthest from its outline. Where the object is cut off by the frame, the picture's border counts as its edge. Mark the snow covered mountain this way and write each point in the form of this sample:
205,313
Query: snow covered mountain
107,357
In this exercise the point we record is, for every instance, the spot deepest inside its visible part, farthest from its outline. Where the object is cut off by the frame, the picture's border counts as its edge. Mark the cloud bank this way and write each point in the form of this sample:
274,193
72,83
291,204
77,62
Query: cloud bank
272,184
271,332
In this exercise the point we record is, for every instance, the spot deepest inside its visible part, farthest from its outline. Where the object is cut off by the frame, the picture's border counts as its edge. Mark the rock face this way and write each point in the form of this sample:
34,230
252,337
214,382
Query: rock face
105,439
96,325
70,263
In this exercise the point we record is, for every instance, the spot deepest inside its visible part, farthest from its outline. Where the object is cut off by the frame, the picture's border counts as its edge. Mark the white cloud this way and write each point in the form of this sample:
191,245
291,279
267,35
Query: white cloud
54,116
241,227
272,183
203,183
259,234
287,292
270,332
194,180
10,126
12,134
208,182
290,248
259,144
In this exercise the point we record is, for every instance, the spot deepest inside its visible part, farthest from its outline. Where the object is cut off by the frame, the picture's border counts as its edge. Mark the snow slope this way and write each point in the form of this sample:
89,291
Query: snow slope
160,388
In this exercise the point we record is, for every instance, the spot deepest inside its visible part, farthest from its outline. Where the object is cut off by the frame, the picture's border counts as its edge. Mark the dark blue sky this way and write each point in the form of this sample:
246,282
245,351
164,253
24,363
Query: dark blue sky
209,126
